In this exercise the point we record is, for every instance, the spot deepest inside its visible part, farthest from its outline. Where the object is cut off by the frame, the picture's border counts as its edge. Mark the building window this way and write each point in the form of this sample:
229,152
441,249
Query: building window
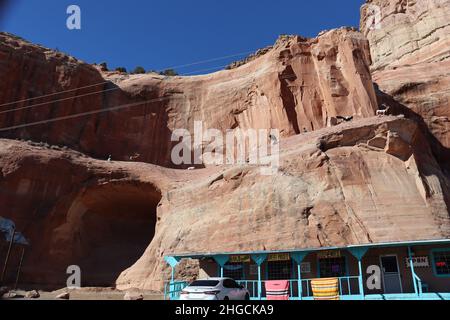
233,270
279,270
332,267
441,262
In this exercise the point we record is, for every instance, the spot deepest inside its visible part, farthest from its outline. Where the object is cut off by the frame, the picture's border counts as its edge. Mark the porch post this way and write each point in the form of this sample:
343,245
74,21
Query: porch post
413,273
11,243
360,279
298,257
359,253
173,274
221,261
172,262
259,259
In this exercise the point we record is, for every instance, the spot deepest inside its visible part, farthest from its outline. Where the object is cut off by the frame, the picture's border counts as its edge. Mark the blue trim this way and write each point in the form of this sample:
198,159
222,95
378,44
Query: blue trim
299,256
259,258
358,253
369,245
434,262
172,261
221,259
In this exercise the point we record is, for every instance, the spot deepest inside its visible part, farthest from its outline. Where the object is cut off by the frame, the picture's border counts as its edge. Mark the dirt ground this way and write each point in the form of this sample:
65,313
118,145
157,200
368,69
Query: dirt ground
87,294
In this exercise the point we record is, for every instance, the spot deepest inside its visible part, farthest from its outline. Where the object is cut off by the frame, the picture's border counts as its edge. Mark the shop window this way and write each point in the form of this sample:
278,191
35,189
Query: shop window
332,267
441,262
234,271
279,270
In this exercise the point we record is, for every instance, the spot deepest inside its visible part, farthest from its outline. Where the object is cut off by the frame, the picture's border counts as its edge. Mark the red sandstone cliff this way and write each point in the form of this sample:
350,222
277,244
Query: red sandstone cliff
295,87
411,61
372,179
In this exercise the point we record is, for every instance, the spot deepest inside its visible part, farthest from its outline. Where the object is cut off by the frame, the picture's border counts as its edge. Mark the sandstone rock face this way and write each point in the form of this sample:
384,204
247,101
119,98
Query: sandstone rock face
295,87
406,32
411,60
332,188
74,211
345,177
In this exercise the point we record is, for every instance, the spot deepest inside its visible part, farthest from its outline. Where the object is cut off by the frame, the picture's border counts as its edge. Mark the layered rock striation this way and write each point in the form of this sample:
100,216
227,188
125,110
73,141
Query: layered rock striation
410,49
367,179
296,86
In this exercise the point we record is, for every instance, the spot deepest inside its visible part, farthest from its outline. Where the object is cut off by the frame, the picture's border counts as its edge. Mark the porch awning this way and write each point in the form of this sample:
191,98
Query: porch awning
349,247
7,228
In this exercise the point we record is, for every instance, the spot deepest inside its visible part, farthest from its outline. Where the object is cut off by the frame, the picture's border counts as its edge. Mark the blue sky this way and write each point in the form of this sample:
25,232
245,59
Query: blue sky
157,34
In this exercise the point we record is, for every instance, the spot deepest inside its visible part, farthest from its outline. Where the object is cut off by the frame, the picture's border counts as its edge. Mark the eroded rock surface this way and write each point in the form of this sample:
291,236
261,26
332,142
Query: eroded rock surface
411,61
332,189
345,177
406,32
295,87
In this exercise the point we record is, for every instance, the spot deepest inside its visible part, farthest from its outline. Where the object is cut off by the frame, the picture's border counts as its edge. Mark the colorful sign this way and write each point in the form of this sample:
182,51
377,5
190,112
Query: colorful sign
279,257
240,259
327,254
418,262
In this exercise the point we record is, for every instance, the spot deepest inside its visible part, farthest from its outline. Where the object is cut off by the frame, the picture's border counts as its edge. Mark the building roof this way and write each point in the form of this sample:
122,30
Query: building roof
362,246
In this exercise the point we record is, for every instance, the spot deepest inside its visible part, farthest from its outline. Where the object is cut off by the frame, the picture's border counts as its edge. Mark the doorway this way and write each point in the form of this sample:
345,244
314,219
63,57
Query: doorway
391,274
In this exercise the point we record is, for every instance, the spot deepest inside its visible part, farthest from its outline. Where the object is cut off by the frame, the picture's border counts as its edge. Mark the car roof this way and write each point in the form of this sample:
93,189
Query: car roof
214,279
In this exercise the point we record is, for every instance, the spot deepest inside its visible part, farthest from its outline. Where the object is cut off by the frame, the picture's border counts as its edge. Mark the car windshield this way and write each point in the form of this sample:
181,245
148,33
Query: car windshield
204,283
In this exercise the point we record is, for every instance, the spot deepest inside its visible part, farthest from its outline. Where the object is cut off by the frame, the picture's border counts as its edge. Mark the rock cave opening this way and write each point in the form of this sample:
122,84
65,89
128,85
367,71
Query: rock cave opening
116,228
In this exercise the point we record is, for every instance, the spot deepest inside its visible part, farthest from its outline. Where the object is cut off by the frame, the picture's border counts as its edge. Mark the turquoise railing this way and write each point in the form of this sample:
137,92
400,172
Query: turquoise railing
172,290
347,286
418,284
251,286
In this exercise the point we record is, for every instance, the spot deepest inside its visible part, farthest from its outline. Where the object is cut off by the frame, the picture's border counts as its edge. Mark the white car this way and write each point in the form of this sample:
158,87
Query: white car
215,289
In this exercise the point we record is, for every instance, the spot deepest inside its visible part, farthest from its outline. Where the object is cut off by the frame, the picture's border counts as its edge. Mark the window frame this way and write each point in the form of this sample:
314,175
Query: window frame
345,271
242,264
291,266
433,259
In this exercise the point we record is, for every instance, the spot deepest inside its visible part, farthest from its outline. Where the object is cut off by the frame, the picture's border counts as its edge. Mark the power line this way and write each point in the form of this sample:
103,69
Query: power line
288,76
209,69
92,93
77,115
106,82
179,66
59,100
117,88
211,60
54,94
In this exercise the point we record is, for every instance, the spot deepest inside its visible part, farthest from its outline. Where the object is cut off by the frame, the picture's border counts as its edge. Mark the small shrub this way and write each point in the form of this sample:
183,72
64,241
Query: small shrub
139,70
121,69
169,73
104,66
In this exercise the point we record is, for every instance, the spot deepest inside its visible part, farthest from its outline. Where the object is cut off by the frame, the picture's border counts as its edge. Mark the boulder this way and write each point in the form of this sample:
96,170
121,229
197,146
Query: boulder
32,294
132,296
11,295
63,296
